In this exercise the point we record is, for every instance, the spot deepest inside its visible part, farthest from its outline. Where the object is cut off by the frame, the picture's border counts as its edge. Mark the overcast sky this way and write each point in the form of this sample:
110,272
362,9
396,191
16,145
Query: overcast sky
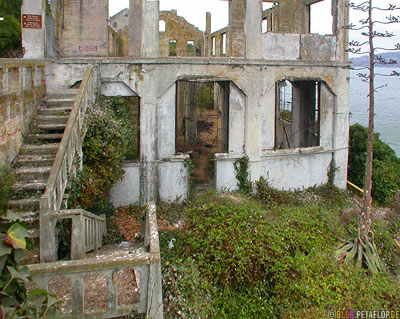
194,11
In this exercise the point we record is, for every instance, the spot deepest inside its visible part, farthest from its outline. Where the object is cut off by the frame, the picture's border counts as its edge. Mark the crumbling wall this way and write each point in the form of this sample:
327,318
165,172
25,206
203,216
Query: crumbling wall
178,29
21,88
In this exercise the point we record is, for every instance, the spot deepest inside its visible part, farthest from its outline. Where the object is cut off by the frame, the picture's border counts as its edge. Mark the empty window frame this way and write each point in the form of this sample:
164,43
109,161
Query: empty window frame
213,44
297,114
172,48
223,46
264,28
190,49
320,17
161,26
202,117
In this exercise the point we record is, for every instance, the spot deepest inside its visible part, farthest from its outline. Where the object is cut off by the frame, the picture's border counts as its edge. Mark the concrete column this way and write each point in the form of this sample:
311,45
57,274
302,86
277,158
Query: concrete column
33,36
253,29
236,32
144,18
340,12
207,50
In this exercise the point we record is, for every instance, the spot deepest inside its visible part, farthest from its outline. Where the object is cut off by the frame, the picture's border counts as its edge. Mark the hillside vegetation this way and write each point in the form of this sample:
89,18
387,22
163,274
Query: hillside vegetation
271,255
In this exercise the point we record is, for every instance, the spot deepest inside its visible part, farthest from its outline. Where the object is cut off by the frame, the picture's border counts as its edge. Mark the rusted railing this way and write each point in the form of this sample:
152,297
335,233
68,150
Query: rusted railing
64,165
108,285
87,230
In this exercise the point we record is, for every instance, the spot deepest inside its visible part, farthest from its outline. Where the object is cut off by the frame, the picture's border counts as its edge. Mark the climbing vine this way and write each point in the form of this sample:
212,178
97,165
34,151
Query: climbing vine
241,166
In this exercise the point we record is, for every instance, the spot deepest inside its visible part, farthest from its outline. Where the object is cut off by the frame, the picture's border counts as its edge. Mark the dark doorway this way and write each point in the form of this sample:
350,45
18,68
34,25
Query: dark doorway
202,115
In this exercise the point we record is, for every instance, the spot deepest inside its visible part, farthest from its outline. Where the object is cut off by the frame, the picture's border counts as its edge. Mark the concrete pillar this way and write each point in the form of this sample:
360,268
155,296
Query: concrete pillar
253,29
340,12
33,26
143,27
236,32
207,50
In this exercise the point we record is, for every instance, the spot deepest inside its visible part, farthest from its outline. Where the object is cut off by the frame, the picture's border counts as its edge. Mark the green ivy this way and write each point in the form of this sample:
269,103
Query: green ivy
241,166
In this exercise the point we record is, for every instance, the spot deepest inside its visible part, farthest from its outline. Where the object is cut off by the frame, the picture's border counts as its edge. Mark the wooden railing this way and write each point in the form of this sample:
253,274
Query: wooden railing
87,230
109,285
69,155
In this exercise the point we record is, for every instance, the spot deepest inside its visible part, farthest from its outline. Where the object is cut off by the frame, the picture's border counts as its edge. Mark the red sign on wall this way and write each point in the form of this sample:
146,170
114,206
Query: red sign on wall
31,21
88,48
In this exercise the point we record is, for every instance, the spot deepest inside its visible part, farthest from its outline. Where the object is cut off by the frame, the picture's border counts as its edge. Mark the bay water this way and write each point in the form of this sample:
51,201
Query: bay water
387,105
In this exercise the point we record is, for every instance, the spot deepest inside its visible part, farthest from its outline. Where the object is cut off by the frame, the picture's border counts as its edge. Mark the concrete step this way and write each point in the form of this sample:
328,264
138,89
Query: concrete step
31,174
61,93
51,127
51,119
46,137
34,185
35,160
31,218
46,149
56,103
63,110
24,205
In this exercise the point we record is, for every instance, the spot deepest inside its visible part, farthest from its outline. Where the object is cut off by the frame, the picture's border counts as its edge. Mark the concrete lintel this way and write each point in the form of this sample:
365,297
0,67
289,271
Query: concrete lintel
204,61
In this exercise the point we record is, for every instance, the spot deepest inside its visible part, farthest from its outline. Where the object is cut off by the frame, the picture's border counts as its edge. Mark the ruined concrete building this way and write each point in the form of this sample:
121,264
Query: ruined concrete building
264,87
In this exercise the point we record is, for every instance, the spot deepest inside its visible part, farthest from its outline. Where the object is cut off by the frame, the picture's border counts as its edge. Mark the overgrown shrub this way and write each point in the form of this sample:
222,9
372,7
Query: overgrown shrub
386,165
268,256
109,133
6,181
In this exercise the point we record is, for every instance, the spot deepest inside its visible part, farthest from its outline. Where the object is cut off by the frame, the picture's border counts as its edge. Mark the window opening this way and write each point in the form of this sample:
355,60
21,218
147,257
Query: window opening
223,51
265,25
190,48
172,47
297,114
202,110
213,46
161,26
320,15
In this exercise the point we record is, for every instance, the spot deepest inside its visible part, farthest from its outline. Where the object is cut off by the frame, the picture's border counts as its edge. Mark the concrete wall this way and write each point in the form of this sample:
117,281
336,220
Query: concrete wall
127,191
308,47
21,88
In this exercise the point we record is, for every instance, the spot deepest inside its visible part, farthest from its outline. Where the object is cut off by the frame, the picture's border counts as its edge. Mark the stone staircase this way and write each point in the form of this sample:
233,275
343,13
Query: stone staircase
35,159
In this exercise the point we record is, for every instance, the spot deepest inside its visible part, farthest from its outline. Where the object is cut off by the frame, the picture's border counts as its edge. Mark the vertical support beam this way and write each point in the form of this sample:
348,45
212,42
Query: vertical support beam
78,237
207,51
340,13
47,225
111,291
143,27
236,31
77,296
33,39
253,29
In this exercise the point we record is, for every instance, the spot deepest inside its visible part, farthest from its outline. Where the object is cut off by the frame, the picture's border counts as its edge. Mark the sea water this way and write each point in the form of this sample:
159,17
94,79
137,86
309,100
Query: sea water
387,105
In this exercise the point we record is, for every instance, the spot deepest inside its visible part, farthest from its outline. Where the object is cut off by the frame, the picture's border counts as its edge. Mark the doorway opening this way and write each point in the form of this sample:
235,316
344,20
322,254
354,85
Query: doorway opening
202,117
